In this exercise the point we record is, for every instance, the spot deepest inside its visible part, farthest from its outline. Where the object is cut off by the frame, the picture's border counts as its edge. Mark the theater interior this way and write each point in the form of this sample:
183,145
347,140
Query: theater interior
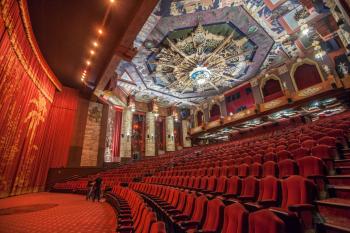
161,116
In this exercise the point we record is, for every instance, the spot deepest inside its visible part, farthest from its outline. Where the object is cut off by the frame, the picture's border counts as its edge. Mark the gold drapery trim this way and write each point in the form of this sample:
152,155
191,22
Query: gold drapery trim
32,41
20,56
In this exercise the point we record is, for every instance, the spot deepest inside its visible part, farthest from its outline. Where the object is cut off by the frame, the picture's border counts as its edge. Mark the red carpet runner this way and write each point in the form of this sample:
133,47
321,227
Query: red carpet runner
54,213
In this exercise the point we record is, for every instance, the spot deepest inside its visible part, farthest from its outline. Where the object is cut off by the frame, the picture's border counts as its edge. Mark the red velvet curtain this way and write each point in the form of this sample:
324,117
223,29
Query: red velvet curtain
59,127
26,92
116,135
306,76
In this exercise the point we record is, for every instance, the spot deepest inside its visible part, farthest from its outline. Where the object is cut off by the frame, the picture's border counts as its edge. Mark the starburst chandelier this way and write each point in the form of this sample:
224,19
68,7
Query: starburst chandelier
202,61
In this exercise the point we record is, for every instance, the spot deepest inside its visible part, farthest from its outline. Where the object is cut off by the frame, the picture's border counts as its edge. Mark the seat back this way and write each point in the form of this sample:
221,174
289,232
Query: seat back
297,190
311,166
158,227
199,211
235,219
213,219
269,189
265,221
234,185
287,168
269,168
255,170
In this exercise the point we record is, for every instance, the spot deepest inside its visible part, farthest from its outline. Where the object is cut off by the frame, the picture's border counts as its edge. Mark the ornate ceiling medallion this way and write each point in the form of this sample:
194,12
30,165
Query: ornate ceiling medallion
203,61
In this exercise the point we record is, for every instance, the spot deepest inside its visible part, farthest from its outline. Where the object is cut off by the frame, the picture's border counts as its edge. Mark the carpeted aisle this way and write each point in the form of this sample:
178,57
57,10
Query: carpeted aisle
54,213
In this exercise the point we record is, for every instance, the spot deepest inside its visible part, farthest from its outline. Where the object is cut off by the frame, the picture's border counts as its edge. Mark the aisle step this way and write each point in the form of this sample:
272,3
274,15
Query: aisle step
339,191
339,180
332,228
343,170
341,162
335,211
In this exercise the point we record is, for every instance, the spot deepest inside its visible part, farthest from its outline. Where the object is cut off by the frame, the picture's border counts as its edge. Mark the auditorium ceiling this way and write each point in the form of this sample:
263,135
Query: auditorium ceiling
190,50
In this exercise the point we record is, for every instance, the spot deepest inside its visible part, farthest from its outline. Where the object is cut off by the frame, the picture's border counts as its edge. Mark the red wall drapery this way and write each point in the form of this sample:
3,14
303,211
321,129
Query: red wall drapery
306,76
59,127
116,135
26,92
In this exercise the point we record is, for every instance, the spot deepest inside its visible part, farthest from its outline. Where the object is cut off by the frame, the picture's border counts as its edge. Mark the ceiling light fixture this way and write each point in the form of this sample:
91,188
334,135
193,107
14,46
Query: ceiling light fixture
92,52
100,31
88,62
111,1
95,44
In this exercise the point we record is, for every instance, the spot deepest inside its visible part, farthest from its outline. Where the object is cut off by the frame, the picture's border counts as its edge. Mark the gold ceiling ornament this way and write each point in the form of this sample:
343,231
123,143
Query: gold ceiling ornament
202,61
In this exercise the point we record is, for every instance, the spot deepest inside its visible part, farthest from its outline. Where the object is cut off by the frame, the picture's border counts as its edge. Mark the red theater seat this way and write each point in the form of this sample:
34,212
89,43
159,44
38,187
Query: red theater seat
300,152
287,168
298,194
311,166
269,169
255,170
308,144
235,219
197,217
269,194
213,217
243,170
158,227
265,221
284,154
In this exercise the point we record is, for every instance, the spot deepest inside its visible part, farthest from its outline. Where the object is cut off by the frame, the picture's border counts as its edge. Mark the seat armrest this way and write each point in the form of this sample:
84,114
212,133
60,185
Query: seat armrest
173,211
282,212
229,195
246,198
189,224
125,229
180,217
301,207
267,203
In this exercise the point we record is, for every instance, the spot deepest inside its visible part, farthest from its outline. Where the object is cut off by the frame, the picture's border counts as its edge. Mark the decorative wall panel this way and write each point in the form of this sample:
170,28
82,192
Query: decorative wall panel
92,135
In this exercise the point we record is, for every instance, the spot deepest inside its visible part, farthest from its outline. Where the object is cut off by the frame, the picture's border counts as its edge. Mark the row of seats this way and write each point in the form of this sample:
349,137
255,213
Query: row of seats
308,166
193,211
133,214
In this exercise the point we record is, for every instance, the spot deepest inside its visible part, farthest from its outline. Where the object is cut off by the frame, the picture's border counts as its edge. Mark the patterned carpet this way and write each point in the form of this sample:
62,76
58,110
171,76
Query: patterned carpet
54,213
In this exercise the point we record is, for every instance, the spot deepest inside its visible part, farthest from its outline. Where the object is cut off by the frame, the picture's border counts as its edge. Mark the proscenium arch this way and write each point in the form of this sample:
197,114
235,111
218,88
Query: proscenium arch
307,61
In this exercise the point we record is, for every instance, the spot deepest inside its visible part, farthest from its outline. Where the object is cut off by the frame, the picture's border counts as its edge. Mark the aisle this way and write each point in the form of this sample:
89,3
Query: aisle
54,213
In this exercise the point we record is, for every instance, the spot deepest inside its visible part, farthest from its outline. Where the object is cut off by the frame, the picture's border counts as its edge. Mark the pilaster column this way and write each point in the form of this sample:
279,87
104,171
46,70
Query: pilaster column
125,140
185,128
150,134
170,140
108,157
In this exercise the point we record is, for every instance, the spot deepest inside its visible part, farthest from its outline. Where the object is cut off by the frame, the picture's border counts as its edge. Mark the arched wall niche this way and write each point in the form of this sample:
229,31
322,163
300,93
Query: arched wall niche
306,73
199,117
271,87
214,111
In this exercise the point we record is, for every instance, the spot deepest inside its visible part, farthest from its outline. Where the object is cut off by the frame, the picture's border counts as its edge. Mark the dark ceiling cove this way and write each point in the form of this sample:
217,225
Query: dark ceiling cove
65,30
